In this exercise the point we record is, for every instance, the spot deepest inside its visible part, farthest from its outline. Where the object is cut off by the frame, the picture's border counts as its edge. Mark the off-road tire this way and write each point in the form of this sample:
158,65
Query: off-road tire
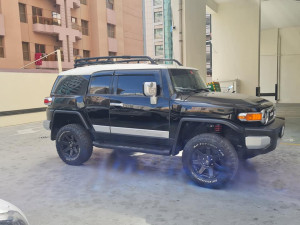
82,146
198,161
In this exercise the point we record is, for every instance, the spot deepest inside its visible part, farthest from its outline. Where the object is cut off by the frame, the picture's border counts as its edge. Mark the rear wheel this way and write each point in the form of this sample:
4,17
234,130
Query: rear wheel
74,145
210,160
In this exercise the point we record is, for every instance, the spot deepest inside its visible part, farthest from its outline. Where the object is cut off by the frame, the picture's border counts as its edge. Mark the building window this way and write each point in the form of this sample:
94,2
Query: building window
110,4
1,47
86,54
111,30
159,50
37,13
158,33
85,27
39,48
22,11
84,2
157,2
112,53
157,17
75,52
26,51
56,18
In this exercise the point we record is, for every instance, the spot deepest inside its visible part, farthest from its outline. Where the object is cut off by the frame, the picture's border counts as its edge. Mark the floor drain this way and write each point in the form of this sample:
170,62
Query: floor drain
44,137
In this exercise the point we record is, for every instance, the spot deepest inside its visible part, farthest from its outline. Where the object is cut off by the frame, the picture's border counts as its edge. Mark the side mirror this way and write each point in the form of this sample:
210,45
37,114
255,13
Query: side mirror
150,90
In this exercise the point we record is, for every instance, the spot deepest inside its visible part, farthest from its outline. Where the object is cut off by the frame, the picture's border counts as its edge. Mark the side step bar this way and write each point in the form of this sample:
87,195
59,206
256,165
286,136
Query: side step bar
133,149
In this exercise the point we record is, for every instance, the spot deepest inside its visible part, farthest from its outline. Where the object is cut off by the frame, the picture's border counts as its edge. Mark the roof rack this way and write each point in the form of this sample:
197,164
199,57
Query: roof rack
167,60
111,60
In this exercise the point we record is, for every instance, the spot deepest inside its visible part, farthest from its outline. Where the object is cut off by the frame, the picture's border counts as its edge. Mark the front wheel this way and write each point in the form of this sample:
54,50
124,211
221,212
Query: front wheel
74,145
210,160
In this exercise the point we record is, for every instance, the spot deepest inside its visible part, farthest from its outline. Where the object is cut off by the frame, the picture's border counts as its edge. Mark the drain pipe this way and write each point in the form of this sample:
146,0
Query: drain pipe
180,31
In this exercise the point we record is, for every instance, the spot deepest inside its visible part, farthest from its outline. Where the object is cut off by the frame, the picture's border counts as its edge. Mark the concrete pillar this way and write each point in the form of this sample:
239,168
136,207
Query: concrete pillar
189,38
235,43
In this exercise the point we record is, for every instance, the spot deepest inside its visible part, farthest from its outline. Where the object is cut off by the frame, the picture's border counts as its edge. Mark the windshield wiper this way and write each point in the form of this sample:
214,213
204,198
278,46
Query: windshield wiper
195,90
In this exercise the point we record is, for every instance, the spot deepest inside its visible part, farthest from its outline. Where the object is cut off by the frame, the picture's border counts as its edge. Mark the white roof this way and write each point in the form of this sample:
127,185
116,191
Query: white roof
88,70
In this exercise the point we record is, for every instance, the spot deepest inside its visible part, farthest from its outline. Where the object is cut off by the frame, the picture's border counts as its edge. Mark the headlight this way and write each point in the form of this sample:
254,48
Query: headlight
11,215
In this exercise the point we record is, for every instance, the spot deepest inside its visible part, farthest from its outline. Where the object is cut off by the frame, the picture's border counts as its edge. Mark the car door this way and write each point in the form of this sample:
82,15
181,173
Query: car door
134,120
98,102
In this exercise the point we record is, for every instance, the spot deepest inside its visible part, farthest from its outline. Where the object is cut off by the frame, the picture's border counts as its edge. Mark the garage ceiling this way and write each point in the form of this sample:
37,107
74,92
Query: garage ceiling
280,13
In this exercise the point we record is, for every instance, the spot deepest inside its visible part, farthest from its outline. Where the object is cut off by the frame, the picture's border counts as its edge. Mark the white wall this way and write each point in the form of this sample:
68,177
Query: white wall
268,61
235,42
290,65
194,35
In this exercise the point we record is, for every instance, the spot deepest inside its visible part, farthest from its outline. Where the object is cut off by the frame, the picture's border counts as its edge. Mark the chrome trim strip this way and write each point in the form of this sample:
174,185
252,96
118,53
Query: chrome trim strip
140,132
257,142
99,128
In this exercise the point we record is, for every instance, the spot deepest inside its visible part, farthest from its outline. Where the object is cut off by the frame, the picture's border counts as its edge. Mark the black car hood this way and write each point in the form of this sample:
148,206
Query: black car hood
227,99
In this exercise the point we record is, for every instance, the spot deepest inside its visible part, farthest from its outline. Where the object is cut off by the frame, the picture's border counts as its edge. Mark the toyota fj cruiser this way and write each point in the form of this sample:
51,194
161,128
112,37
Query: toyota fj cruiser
133,103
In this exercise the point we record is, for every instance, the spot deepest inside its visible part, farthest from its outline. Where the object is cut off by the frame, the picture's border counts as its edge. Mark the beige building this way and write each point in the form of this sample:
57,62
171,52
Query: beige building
80,28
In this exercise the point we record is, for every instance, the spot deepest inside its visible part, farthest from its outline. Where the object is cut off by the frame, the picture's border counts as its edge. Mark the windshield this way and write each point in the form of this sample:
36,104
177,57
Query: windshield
184,80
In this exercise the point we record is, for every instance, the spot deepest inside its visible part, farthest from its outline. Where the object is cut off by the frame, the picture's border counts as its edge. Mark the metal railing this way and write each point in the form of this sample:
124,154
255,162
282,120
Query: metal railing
75,26
58,54
46,21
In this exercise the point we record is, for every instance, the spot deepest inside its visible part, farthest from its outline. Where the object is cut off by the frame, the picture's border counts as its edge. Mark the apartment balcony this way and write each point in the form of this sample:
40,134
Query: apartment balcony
2,27
46,25
53,26
48,63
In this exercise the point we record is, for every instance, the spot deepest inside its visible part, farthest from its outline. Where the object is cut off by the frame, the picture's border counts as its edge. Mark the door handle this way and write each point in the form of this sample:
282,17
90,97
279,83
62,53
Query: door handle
117,104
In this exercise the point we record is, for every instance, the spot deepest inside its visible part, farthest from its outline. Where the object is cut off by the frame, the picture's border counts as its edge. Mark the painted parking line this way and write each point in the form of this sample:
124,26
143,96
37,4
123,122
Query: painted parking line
290,144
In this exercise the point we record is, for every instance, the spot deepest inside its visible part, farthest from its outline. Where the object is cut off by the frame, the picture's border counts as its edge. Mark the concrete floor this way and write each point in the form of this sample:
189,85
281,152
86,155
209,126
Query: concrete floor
120,189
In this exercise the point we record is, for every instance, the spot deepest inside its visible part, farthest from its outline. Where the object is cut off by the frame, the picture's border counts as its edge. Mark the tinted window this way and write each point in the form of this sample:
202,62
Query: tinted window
71,85
133,85
186,80
100,85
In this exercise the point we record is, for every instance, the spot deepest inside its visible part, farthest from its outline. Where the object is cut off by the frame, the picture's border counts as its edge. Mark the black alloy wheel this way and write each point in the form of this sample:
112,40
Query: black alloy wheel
74,144
210,160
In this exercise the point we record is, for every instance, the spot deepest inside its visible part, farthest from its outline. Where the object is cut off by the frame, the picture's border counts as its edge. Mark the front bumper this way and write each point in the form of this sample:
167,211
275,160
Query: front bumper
261,140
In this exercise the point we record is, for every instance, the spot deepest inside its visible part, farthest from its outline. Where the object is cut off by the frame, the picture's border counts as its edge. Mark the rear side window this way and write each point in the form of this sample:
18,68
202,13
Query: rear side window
100,85
133,85
70,85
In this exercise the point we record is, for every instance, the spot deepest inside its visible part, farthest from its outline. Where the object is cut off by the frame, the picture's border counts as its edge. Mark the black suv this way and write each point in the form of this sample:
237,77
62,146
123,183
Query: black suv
136,104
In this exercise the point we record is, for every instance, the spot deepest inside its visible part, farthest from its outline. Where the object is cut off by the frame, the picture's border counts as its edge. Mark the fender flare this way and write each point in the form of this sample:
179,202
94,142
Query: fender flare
70,112
235,127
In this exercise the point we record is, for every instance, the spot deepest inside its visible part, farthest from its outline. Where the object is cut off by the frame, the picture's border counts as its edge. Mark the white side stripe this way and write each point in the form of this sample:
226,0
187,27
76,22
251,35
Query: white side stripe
132,131
105,129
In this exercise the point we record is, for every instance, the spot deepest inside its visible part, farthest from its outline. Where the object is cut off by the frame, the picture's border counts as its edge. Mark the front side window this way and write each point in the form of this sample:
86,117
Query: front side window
133,84
22,11
184,80
157,17
100,85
